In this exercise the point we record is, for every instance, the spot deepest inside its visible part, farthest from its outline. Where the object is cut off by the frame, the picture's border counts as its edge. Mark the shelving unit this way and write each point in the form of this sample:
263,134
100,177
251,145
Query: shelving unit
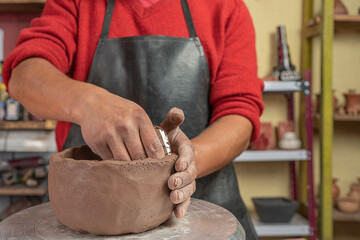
22,190
299,226
21,5
273,156
325,27
339,216
28,125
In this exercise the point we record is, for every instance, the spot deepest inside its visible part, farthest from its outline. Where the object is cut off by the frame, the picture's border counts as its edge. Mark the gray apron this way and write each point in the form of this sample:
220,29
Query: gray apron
159,73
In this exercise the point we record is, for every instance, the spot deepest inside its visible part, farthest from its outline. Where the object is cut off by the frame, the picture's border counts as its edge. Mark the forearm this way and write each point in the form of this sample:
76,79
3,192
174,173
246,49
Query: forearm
48,93
220,143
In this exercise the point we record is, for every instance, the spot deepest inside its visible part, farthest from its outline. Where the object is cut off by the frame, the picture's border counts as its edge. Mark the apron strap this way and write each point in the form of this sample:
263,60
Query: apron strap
107,19
110,8
188,18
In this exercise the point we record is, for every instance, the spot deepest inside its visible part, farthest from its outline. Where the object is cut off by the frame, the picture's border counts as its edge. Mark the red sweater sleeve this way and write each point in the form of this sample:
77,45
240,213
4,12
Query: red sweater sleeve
51,37
237,89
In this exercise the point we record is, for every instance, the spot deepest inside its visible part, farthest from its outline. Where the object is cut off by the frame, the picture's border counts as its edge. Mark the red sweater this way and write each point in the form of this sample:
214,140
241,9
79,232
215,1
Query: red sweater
68,31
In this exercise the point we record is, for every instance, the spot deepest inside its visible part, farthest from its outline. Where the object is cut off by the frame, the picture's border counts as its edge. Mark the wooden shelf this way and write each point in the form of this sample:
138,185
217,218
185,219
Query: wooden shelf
22,190
21,5
339,216
28,125
341,22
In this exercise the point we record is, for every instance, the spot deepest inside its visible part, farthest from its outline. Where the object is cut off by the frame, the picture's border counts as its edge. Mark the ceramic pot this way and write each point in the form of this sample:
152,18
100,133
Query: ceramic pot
109,197
260,144
289,141
335,190
352,102
348,205
354,192
339,7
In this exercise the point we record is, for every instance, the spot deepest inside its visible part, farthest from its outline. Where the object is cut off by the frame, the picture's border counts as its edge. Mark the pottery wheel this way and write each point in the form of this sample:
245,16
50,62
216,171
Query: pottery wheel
203,220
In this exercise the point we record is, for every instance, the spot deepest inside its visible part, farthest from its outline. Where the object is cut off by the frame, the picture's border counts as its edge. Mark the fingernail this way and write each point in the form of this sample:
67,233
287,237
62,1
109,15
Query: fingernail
182,213
177,182
180,195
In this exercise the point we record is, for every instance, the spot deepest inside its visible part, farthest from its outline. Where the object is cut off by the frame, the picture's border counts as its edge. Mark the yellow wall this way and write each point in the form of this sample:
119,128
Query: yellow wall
272,179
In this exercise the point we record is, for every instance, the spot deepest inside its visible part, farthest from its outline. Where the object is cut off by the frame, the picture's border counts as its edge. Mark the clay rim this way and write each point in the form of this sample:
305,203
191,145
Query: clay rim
113,162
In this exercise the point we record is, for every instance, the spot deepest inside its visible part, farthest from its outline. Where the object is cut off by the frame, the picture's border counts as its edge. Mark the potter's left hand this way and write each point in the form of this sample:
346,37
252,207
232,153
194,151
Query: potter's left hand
182,183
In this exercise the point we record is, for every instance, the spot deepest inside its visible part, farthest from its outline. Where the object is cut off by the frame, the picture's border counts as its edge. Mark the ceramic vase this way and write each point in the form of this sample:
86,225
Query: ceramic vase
339,7
352,102
354,192
348,205
289,141
335,190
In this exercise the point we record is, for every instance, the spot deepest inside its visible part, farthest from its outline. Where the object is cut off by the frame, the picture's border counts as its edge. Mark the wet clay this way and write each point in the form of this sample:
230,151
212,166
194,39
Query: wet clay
109,197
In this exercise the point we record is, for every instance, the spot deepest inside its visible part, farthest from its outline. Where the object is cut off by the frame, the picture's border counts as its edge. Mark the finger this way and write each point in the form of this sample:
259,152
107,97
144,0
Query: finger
174,119
181,179
181,208
151,142
186,153
134,145
103,151
180,195
118,149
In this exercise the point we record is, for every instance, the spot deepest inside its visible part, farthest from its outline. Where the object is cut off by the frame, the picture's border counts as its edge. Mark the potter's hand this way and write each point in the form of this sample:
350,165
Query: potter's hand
182,183
116,128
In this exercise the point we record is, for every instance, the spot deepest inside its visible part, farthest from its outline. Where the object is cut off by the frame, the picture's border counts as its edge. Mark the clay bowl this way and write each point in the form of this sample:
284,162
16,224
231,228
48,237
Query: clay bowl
348,205
109,197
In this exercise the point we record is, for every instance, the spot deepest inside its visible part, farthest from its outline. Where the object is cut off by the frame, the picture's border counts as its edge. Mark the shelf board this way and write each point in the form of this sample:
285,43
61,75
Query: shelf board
341,22
21,5
341,118
27,141
272,156
282,86
28,125
22,190
339,216
298,226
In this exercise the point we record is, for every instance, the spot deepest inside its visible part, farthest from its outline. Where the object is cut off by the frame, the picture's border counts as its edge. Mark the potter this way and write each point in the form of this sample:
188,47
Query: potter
110,70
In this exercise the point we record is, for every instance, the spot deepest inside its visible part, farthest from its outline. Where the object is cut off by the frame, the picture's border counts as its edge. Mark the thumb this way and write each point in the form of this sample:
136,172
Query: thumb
174,119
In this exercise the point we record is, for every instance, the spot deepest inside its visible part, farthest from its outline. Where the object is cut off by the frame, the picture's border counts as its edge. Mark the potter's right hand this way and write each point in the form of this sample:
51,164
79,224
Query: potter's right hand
116,128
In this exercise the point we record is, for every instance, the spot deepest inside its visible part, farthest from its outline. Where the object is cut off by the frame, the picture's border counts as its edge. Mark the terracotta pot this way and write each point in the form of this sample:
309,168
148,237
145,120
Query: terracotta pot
354,192
352,102
348,205
260,144
335,190
109,197
339,7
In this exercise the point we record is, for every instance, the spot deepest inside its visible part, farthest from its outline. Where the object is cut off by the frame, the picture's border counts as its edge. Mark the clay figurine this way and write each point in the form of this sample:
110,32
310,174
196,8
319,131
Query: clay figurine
289,141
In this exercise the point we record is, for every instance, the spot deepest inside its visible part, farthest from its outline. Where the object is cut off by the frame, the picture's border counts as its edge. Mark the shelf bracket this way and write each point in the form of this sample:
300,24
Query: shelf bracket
304,86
